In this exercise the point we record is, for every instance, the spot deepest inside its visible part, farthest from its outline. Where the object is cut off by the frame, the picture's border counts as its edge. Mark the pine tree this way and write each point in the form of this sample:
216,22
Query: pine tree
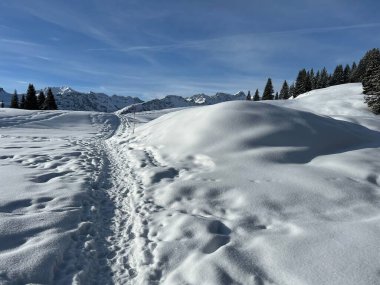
324,80
14,100
317,80
276,97
347,74
308,83
249,97
268,90
301,83
284,92
41,100
371,82
50,103
22,102
257,96
363,65
292,91
353,72
338,76
31,98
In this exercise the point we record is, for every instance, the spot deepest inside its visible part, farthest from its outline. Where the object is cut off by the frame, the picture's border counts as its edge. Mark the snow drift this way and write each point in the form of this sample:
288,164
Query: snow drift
252,193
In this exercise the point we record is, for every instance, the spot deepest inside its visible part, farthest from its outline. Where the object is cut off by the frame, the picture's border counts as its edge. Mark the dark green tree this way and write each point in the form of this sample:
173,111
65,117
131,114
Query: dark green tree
50,103
316,80
249,97
41,100
292,91
256,97
353,71
347,74
338,76
308,81
301,84
324,80
360,71
371,82
268,90
31,98
22,102
14,100
284,92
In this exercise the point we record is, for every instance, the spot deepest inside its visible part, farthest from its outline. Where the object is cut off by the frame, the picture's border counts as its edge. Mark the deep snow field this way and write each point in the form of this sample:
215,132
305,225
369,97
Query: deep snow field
283,192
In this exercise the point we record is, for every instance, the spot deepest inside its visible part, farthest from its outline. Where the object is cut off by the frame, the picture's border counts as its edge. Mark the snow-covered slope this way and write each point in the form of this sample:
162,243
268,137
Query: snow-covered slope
255,193
173,101
240,192
51,173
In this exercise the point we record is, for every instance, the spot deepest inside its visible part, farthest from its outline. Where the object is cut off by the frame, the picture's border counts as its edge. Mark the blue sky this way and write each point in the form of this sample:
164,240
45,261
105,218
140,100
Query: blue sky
151,48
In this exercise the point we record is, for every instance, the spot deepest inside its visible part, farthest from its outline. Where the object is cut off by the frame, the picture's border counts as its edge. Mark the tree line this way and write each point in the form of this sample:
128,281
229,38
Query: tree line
367,72
32,101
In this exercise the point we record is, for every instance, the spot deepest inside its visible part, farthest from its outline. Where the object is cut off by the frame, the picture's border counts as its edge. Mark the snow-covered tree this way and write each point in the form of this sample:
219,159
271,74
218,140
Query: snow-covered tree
371,81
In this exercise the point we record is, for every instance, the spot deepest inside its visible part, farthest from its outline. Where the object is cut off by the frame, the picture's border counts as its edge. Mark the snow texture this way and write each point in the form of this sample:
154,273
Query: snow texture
239,192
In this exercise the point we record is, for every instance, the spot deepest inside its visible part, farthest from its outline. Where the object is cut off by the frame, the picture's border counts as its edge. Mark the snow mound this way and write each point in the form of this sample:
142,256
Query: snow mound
241,126
255,193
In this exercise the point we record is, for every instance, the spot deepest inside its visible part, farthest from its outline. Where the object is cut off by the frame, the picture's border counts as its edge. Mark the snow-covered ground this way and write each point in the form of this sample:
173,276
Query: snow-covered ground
234,193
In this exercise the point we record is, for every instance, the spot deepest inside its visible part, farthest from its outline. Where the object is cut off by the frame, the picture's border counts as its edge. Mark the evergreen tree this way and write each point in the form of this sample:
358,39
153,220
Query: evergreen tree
338,76
31,98
22,102
308,81
371,82
41,100
268,90
50,103
353,72
347,74
284,92
317,80
257,96
14,100
301,83
292,91
249,97
324,80
276,97
361,69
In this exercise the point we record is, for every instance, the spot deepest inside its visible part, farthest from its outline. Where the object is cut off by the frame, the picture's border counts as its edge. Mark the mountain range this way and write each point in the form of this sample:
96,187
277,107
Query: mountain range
70,99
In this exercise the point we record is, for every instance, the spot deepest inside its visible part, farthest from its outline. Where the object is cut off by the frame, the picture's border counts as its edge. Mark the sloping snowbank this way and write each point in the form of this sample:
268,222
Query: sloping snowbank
251,193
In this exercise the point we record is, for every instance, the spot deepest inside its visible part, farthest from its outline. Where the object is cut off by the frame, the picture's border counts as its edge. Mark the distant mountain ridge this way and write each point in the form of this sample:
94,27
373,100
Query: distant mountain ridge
70,99
174,101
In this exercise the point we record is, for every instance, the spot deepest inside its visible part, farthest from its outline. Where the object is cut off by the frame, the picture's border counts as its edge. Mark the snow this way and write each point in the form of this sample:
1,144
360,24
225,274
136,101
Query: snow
239,192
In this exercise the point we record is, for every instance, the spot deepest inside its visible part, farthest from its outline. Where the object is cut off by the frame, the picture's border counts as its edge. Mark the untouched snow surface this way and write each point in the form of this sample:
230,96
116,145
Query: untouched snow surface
234,193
